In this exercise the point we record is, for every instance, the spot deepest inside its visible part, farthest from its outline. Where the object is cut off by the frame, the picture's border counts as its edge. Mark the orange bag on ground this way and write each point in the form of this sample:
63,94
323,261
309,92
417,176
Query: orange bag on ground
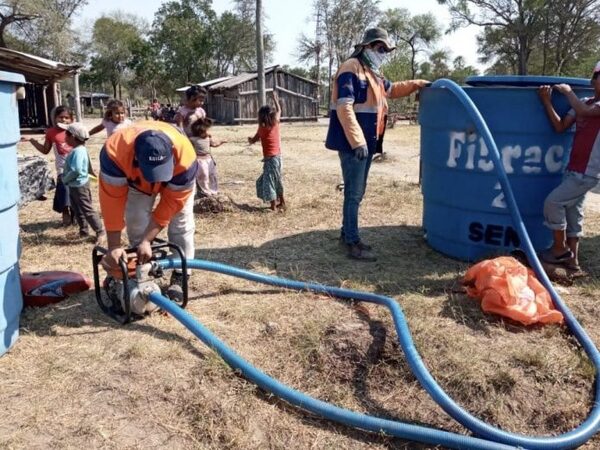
508,288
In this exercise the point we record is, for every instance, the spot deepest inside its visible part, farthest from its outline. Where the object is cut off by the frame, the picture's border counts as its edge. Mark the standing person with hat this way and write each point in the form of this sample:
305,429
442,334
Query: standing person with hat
76,177
136,165
563,208
357,124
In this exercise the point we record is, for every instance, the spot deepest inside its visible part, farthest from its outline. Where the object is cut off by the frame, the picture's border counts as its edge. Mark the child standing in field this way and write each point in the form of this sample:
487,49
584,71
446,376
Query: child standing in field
192,109
114,119
55,139
563,208
269,186
206,180
76,177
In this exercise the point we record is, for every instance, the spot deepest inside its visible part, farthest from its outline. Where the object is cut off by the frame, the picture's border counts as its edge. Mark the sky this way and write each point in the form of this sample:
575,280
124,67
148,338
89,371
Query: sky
286,20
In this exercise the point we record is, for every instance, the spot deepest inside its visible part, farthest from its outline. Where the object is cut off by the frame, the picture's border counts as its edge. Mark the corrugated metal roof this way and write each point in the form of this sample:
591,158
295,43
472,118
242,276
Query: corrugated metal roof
247,76
35,68
234,81
204,83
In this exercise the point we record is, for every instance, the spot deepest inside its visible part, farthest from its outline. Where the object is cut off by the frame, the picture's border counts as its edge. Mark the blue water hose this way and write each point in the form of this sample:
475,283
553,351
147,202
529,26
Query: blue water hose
496,438
398,429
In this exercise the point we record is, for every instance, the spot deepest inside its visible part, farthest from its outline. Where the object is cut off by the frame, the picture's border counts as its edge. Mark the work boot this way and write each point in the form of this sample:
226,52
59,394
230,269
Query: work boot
362,245
360,252
175,289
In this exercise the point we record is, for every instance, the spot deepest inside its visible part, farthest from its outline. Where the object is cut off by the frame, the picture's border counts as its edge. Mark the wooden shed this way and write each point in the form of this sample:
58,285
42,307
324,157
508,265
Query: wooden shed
42,91
235,100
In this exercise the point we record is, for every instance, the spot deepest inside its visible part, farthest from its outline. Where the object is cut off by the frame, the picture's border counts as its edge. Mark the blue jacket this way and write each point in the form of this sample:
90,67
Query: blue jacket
75,172
359,106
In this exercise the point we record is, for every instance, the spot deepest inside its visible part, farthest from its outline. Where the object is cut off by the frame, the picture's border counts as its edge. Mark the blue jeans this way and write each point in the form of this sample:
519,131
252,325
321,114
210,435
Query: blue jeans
355,173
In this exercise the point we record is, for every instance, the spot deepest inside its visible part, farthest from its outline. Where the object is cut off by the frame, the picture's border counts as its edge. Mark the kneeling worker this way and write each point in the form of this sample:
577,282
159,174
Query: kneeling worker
136,165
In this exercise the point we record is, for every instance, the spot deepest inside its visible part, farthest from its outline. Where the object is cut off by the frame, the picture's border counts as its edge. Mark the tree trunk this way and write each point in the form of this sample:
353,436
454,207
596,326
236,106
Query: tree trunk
318,58
114,86
329,84
260,56
523,55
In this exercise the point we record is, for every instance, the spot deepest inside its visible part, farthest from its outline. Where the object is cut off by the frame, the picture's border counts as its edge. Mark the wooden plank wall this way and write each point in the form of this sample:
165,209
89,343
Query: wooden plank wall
240,105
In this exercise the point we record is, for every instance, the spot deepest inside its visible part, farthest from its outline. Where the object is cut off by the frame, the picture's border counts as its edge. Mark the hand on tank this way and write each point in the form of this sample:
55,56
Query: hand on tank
422,83
545,92
563,88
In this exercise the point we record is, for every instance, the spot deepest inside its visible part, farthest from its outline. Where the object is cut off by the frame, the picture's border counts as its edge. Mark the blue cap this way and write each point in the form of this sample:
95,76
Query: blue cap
154,154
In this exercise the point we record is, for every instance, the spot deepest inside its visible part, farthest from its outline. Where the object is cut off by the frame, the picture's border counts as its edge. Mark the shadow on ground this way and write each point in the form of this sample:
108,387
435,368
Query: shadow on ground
406,265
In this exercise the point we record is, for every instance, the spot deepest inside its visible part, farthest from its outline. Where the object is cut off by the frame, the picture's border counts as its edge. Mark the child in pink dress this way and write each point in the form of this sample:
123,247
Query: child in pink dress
206,180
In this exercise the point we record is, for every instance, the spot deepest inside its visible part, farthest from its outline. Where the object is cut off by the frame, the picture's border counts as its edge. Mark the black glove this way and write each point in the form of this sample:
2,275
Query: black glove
361,152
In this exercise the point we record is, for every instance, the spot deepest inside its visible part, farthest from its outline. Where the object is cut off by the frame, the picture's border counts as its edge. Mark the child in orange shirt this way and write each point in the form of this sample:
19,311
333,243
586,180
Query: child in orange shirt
269,186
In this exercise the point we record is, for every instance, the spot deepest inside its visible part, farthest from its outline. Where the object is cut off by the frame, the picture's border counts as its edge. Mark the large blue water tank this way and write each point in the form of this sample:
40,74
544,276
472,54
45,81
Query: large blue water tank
10,286
464,212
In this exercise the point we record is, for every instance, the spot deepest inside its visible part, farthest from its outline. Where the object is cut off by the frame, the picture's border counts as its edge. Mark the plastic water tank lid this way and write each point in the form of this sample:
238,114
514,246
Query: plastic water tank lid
10,77
525,81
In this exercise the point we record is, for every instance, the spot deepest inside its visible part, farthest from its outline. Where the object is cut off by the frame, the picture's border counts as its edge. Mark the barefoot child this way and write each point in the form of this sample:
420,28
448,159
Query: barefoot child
269,186
62,116
76,177
206,180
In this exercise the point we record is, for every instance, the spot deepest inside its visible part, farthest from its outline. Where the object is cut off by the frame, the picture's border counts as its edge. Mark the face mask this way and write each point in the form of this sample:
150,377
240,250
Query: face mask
376,58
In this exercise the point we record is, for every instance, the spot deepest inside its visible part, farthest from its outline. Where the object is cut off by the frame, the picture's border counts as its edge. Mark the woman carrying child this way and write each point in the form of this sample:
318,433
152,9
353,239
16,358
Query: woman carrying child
206,179
76,177
114,119
192,109
269,186
55,139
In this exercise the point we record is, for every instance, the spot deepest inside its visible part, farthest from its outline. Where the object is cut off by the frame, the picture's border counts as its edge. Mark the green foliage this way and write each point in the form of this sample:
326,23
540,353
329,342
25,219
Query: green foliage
113,40
413,34
533,36
42,27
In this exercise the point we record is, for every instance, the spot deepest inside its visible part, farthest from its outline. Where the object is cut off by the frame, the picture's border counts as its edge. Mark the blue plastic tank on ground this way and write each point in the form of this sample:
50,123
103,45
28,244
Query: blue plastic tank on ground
464,212
10,286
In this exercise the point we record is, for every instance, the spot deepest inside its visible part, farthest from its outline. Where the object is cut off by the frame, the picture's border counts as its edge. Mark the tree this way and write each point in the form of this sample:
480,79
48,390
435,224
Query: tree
516,21
415,33
184,40
312,49
42,26
571,33
544,36
113,40
260,55
234,49
461,71
340,25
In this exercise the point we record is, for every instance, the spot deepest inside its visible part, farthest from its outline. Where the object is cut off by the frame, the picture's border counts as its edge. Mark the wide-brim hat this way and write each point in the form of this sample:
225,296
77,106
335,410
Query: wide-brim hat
374,35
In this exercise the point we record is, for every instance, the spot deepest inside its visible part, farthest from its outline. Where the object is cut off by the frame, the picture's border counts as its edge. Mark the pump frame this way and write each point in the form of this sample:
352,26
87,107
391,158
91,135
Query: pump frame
114,309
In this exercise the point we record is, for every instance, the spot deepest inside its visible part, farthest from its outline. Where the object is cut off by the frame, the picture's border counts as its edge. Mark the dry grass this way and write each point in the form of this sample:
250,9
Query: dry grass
77,379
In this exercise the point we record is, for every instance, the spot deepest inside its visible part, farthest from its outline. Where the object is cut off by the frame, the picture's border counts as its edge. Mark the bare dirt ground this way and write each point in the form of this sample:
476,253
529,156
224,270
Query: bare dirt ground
77,379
